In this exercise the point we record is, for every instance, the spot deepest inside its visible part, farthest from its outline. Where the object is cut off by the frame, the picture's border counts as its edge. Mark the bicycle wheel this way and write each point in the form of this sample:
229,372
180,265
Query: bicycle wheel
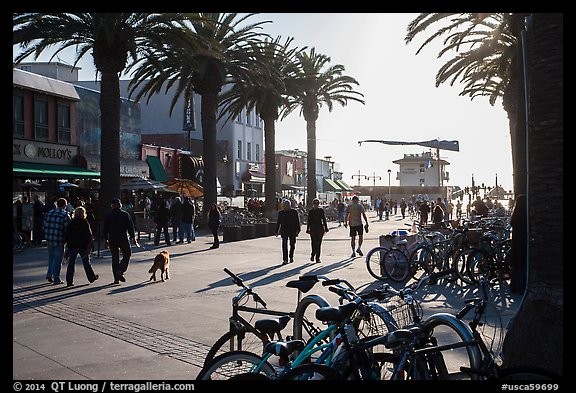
309,372
479,264
236,364
375,263
396,265
421,262
444,329
462,260
305,324
235,341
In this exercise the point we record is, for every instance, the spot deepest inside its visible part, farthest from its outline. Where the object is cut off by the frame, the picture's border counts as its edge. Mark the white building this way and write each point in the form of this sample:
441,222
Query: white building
423,169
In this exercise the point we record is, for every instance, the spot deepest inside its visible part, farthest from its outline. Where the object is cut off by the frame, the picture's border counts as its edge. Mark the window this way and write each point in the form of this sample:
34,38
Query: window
27,68
249,151
239,150
248,116
18,116
64,123
257,153
257,122
41,120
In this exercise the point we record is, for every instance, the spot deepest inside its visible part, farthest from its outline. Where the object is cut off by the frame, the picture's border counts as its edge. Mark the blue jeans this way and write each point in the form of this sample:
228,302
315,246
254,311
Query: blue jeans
55,255
186,228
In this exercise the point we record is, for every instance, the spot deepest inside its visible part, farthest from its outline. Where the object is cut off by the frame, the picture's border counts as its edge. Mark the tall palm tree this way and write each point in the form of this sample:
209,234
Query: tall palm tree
486,64
112,38
266,95
318,84
217,49
540,318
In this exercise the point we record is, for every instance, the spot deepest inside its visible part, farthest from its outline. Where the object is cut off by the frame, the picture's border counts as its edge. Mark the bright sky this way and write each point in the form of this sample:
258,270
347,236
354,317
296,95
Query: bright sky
402,102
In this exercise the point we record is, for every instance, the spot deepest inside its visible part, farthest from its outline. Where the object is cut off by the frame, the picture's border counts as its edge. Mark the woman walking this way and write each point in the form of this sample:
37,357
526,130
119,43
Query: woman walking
214,223
317,227
79,239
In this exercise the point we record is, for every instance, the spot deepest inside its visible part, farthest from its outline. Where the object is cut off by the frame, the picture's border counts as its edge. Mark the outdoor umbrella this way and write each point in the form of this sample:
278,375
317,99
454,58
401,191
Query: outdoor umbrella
186,187
140,183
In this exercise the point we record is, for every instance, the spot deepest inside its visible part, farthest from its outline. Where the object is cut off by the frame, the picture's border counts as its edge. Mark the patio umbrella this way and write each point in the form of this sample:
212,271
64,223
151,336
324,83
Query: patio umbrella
186,187
140,183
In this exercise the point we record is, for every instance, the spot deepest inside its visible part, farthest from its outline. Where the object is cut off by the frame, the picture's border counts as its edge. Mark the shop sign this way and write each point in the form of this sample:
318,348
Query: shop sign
41,152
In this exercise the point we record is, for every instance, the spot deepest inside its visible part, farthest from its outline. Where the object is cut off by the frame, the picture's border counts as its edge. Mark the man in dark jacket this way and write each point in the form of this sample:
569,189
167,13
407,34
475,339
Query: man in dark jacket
161,218
187,221
118,226
288,226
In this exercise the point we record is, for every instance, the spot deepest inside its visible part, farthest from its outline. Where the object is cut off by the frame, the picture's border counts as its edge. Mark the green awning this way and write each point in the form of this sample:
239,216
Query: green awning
48,170
156,168
332,186
344,185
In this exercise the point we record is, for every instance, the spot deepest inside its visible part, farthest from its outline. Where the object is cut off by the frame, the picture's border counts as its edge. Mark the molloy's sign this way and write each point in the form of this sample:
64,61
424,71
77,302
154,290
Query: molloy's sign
42,152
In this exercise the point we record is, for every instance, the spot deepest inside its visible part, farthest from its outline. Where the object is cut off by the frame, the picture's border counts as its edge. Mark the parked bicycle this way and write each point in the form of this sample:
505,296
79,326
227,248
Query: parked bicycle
244,335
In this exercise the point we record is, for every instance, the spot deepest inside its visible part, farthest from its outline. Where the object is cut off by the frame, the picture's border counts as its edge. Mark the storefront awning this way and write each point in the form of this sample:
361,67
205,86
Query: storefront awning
332,186
344,185
52,171
157,170
254,177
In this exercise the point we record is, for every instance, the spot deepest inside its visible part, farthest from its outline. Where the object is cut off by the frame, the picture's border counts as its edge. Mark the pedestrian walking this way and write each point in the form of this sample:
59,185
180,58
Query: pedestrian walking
161,218
438,214
424,210
79,241
341,209
187,221
403,208
175,214
355,212
381,207
118,231
55,224
214,218
288,227
39,209
316,228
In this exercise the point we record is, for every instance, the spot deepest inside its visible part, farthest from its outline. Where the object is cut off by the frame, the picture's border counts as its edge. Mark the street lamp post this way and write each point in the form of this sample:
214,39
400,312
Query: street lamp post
373,177
389,192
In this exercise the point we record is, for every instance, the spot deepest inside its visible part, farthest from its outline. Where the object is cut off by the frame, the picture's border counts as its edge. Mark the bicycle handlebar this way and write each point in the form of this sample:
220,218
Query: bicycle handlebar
238,281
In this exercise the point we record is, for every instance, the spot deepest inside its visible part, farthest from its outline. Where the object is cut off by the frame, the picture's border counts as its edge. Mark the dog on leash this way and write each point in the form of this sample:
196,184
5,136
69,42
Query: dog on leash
162,263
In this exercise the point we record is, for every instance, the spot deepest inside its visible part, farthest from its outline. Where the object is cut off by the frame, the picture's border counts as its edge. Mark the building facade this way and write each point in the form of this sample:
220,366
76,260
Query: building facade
422,170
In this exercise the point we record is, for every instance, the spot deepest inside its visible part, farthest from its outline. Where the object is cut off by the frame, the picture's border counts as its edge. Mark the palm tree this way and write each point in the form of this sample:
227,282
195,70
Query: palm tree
217,49
267,97
487,64
540,318
112,38
318,84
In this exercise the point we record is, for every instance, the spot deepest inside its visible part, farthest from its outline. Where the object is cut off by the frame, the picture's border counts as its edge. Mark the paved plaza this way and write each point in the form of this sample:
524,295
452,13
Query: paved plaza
142,330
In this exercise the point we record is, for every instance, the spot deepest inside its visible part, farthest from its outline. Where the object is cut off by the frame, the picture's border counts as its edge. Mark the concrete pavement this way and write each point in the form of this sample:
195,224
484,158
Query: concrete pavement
142,330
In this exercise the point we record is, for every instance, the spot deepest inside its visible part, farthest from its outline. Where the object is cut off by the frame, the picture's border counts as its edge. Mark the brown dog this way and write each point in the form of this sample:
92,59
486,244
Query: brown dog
162,263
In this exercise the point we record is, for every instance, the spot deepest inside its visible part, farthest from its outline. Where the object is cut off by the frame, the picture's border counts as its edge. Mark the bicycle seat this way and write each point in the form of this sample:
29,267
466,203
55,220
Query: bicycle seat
304,285
271,326
284,349
336,314
399,336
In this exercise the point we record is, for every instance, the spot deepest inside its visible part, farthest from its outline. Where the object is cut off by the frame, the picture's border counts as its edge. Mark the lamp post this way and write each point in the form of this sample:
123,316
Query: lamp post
373,177
389,192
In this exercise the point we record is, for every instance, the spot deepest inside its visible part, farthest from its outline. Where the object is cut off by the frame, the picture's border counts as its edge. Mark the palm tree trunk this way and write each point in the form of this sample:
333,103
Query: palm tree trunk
270,158
209,104
311,162
535,334
109,140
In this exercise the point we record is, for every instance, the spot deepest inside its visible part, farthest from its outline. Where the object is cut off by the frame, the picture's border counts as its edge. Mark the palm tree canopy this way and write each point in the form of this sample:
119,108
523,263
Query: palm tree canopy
484,45
213,47
124,34
319,84
271,76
